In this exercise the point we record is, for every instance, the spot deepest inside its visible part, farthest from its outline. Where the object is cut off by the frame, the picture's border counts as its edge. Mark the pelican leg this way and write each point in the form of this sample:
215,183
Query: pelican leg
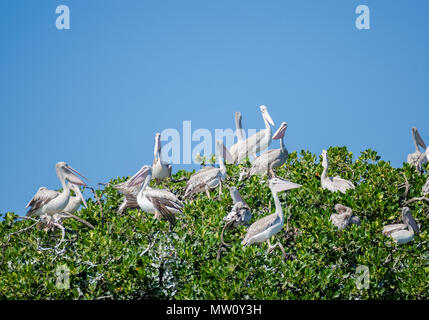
272,247
208,192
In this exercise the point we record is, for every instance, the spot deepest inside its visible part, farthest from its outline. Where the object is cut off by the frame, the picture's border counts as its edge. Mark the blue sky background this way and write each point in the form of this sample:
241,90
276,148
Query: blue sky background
95,95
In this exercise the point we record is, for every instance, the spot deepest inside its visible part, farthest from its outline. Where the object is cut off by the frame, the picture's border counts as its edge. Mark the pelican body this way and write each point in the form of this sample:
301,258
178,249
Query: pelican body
160,169
344,217
264,228
50,202
240,213
161,203
209,177
270,160
333,184
255,143
417,158
402,232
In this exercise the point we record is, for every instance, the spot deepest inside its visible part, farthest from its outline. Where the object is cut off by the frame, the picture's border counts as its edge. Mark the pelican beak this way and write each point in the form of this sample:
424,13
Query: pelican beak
222,150
140,176
280,133
76,189
418,138
283,185
267,116
72,176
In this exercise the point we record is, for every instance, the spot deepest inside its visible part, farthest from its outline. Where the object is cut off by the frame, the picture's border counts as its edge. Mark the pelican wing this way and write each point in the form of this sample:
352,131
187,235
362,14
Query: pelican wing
198,181
342,184
261,225
165,203
42,197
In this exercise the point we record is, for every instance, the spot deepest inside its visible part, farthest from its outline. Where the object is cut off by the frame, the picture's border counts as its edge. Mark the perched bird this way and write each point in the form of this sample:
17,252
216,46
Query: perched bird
270,160
344,217
160,169
50,202
75,201
402,232
161,203
240,213
417,158
255,143
335,183
263,229
209,177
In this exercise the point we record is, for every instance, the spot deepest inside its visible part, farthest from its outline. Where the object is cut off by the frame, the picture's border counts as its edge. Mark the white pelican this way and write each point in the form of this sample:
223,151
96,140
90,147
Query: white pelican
50,202
344,217
270,160
240,213
417,158
333,183
256,143
161,203
402,232
263,229
75,201
209,177
160,169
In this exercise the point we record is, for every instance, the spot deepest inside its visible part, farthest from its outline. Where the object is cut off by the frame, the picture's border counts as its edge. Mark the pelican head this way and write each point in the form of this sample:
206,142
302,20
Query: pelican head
70,174
408,219
278,185
223,151
325,162
280,133
141,176
266,115
157,148
76,189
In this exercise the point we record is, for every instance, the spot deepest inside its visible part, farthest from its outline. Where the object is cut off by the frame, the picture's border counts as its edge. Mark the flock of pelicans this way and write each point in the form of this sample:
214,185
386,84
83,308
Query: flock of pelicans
51,206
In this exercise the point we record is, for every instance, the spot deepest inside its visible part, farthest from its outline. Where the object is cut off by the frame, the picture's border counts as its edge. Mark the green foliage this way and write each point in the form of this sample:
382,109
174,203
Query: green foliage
134,256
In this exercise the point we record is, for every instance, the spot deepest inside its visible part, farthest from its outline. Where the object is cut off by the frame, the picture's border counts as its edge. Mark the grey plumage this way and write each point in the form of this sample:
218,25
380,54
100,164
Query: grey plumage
240,213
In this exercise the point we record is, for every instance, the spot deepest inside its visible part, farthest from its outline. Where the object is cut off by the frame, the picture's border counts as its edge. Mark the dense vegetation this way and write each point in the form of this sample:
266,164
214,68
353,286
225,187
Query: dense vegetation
134,256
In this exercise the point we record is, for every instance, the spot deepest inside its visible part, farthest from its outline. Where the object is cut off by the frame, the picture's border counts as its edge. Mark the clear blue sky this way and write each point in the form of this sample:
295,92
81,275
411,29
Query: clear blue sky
95,95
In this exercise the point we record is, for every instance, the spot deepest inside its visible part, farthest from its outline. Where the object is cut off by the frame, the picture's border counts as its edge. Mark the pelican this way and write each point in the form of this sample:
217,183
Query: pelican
161,203
50,202
160,169
263,229
344,217
402,232
256,143
270,160
240,213
335,183
209,177
130,193
75,201
417,159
